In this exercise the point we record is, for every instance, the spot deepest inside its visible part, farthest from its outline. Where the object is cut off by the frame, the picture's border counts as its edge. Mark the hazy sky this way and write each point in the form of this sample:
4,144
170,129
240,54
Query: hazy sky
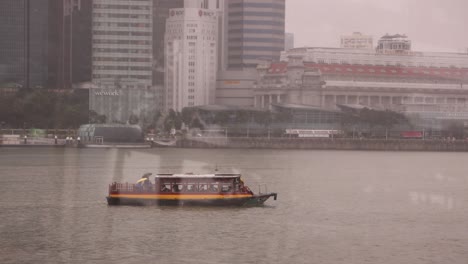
432,25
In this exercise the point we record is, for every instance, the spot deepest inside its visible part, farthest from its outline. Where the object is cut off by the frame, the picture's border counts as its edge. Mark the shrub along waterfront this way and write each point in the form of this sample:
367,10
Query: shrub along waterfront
38,108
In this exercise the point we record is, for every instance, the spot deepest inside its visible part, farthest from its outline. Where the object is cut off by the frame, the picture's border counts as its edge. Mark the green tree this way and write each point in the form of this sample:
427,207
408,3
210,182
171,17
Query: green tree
456,129
173,120
133,119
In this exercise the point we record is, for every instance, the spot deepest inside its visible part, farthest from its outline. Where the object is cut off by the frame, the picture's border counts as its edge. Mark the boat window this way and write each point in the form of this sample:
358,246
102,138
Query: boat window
203,187
177,187
214,187
165,187
226,188
191,187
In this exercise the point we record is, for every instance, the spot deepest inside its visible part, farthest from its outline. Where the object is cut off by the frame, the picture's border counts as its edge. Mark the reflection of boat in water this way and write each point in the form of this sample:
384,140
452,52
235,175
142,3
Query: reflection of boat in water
187,189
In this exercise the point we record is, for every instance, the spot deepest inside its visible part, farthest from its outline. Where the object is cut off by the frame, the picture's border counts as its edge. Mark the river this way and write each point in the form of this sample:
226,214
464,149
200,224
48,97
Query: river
332,207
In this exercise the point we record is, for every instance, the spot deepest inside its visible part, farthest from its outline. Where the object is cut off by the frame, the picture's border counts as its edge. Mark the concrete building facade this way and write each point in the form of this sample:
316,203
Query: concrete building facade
122,43
160,15
251,31
394,44
191,47
430,84
288,41
119,104
357,40
235,88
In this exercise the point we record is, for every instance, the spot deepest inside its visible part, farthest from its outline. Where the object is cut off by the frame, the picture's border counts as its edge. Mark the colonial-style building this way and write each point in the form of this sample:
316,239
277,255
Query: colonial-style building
411,82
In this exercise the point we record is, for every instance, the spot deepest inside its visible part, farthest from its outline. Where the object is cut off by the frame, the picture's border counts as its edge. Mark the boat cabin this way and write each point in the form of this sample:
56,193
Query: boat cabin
200,183
189,188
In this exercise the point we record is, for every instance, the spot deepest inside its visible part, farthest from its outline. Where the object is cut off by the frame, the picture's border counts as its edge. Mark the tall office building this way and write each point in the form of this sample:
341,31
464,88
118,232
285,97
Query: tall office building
160,15
23,43
81,26
289,41
191,57
38,42
64,40
204,4
256,31
122,43
252,31
12,42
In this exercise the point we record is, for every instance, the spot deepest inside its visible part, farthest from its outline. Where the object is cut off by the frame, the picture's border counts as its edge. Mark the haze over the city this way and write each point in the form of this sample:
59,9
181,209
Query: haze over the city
432,25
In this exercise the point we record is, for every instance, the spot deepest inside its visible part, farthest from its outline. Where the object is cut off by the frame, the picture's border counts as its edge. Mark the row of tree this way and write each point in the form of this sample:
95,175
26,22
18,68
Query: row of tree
58,109
43,109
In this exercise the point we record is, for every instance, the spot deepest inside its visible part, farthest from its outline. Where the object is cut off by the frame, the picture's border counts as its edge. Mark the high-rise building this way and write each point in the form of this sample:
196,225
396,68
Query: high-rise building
160,15
289,41
23,45
81,25
204,4
122,43
60,42
191,57
256,30
38,40
12,42
357,41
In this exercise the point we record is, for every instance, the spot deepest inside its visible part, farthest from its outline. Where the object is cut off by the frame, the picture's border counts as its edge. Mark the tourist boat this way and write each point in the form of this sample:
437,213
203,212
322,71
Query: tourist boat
186,189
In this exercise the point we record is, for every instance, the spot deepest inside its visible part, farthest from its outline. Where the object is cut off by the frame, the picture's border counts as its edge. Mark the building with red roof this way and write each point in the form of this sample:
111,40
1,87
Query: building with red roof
390,77
431,88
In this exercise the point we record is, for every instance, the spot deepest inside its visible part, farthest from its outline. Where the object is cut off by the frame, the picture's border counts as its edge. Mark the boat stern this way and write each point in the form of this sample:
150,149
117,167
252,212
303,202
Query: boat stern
260,199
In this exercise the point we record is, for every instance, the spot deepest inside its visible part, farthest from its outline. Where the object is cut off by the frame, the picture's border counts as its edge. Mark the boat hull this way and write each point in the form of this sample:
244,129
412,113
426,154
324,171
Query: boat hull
253,200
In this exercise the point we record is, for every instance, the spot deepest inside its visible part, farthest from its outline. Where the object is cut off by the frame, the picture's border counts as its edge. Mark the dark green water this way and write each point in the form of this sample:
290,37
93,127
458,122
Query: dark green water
333,207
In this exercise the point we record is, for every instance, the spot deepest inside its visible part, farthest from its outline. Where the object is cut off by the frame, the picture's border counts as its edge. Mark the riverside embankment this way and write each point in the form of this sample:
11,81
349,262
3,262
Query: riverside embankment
325,144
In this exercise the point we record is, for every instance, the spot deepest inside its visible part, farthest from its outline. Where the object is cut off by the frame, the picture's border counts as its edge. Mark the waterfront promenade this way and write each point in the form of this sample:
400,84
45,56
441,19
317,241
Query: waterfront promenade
22,141
325,144
264,143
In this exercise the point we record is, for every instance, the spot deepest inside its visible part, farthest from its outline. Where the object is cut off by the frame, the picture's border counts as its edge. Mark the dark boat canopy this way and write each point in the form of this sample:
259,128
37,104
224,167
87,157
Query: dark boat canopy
198,176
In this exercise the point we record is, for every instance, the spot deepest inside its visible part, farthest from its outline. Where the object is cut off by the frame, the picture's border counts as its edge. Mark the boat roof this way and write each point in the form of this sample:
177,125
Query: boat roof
198,176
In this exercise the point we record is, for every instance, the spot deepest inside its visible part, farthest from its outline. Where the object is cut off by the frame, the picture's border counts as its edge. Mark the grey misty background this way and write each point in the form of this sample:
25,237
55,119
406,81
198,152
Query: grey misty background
432,25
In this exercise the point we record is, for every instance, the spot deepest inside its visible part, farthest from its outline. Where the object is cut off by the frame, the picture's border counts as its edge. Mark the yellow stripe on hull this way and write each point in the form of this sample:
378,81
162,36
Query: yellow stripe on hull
179,196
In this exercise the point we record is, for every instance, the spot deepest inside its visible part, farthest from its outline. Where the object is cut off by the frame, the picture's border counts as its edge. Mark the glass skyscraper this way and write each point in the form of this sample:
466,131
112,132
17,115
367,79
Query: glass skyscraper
36,44
23,43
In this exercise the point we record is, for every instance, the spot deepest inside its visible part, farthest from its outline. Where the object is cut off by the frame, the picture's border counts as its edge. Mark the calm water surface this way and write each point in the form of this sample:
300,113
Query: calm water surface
333,207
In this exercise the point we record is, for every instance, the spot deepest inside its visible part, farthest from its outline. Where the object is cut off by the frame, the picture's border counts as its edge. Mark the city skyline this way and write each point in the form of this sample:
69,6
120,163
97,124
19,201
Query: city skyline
420,20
